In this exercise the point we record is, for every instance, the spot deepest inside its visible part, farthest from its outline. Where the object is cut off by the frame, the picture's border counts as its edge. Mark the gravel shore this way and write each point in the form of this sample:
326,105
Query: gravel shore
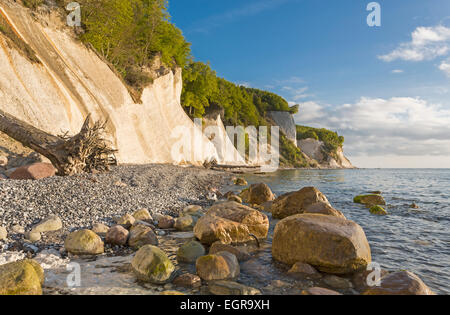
85,199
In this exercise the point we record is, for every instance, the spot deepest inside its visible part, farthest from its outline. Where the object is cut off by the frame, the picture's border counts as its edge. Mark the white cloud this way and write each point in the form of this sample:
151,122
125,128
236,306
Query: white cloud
402,126
397,71
426,43
445,66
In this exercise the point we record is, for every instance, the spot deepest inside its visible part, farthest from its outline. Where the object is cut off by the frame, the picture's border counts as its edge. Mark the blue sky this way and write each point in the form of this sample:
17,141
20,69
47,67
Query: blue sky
386,89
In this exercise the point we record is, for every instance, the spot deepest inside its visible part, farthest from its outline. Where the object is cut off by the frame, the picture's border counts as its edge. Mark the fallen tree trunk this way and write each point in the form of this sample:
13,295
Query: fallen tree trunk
85,152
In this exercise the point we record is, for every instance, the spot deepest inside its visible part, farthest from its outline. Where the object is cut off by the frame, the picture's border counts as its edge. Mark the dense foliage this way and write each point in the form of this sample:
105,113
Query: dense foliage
130,33
331,139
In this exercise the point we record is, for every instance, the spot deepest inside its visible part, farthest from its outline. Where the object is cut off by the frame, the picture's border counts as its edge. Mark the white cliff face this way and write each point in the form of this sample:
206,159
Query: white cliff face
315,150
71,81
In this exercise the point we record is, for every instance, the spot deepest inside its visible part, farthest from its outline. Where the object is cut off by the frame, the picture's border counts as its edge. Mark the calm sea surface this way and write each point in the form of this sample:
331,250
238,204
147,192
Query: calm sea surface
414,239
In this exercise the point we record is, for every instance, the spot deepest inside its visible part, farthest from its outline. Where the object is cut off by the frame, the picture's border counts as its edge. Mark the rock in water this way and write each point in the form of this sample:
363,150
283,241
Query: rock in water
225,287
84,242
400,283
304,270
330,244
34,171
189,252
296,202
117,235
378,210
151,264
24,277
221,266
324,208
49,224
141,235
188,280
370,200
240,182
240,254
259,194
231,222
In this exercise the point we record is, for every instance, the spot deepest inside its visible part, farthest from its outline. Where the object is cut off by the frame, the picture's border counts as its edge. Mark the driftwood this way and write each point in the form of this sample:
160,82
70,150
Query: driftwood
85,152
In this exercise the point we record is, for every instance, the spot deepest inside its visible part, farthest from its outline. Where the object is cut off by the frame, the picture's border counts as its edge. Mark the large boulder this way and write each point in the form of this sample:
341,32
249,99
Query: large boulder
126,221
259,194
143,215
151,264
24,277
296,202
231,222
324,208
400,283
84,242
49,224
184,223
141,235
331,244
370,200
220,266
34,171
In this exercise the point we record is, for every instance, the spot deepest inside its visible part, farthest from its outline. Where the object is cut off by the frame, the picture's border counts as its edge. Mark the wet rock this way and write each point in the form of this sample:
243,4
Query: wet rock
231,222
3,233
414,206
220,266
259,194
378,210
184,223
240,182
126,221
141,235
305,270
117,235
100,229
336,282
166,222
49,224
319,291
84,242
143,215
190,251
330,244
240,254
34,171
296,202
32,236
24,277
188,280
325,209
360,279
151,264
370,200
224,287
400,283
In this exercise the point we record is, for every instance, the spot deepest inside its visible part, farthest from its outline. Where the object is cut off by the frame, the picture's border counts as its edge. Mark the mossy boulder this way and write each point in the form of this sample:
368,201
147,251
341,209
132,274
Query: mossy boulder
84,242
378,210
24,277
240,182
330,244
190,251
370,200
184,223
151,264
